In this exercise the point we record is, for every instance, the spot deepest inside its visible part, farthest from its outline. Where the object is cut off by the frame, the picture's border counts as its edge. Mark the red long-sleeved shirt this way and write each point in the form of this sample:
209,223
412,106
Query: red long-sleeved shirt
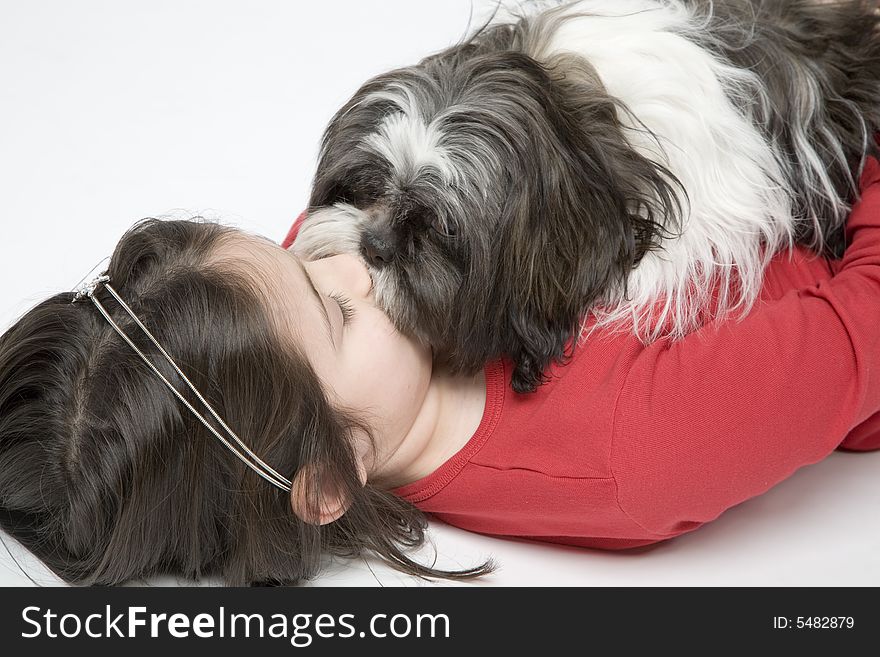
631,444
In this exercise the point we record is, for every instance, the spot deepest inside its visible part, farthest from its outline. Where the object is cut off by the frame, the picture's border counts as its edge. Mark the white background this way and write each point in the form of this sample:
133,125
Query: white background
113,111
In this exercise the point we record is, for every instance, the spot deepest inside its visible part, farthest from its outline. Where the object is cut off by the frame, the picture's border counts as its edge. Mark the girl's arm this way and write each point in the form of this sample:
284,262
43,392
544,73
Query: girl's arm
720,416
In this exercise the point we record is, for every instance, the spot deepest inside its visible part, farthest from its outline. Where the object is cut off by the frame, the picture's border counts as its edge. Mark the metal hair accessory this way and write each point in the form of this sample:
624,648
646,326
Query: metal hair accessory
248,457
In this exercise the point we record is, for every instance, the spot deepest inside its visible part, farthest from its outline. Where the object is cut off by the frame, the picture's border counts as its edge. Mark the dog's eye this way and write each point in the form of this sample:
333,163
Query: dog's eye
356,195
348,195
443,228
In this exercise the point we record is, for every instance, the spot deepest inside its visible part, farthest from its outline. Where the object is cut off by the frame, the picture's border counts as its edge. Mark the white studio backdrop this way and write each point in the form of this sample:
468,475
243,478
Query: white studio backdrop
118,110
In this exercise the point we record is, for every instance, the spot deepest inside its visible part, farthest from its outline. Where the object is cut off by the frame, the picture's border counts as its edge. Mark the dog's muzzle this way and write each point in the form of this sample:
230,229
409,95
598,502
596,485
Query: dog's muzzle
378,249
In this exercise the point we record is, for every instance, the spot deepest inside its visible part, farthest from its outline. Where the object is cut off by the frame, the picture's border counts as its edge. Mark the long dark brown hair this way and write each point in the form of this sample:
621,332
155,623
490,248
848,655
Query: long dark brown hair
107,477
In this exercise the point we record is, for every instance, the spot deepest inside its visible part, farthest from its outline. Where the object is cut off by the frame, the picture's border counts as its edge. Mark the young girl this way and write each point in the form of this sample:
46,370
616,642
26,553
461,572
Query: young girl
107,476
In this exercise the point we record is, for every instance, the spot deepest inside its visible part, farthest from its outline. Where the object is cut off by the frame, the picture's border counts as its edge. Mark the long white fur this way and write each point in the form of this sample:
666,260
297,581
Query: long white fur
405,140
330,231
647,54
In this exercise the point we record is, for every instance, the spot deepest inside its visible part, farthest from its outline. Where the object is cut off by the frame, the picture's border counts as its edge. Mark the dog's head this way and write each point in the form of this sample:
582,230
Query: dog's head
493,198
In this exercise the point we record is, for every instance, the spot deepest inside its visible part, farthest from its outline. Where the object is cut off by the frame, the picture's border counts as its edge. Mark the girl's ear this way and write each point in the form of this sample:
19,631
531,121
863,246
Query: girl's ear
316,496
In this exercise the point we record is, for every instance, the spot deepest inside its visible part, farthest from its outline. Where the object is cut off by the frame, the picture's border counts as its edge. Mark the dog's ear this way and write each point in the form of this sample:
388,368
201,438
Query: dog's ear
589,209
567,245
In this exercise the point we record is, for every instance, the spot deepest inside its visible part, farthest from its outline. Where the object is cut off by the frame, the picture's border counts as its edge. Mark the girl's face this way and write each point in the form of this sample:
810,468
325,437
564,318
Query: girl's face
326,307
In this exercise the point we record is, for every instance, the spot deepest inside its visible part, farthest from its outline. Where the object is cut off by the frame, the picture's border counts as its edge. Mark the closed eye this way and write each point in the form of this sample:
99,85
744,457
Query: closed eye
345,307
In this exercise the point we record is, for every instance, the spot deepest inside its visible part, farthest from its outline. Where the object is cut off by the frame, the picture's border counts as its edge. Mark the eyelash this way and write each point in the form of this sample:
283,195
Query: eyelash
345,306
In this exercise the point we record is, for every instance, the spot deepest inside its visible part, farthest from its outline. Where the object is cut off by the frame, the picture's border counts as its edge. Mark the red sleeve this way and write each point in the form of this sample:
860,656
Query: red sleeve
291,234
863,438
706,422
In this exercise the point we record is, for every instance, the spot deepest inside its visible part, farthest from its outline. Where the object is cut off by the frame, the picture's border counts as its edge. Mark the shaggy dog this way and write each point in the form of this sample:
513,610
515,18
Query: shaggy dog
628,162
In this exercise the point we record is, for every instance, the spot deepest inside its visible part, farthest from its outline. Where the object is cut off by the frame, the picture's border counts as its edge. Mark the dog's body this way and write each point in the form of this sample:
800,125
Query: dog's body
626,159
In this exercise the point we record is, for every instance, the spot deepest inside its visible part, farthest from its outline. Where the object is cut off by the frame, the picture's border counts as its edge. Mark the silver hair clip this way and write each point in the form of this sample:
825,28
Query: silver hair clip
88,288
248,458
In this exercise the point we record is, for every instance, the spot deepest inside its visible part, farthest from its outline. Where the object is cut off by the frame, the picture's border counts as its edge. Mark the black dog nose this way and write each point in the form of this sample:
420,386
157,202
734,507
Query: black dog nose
377,251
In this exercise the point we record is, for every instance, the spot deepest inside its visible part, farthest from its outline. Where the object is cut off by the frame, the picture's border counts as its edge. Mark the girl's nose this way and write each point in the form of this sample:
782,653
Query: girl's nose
349,270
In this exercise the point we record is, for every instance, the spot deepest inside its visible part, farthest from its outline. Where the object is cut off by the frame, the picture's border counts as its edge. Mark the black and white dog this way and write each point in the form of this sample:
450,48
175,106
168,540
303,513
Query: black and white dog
611,160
